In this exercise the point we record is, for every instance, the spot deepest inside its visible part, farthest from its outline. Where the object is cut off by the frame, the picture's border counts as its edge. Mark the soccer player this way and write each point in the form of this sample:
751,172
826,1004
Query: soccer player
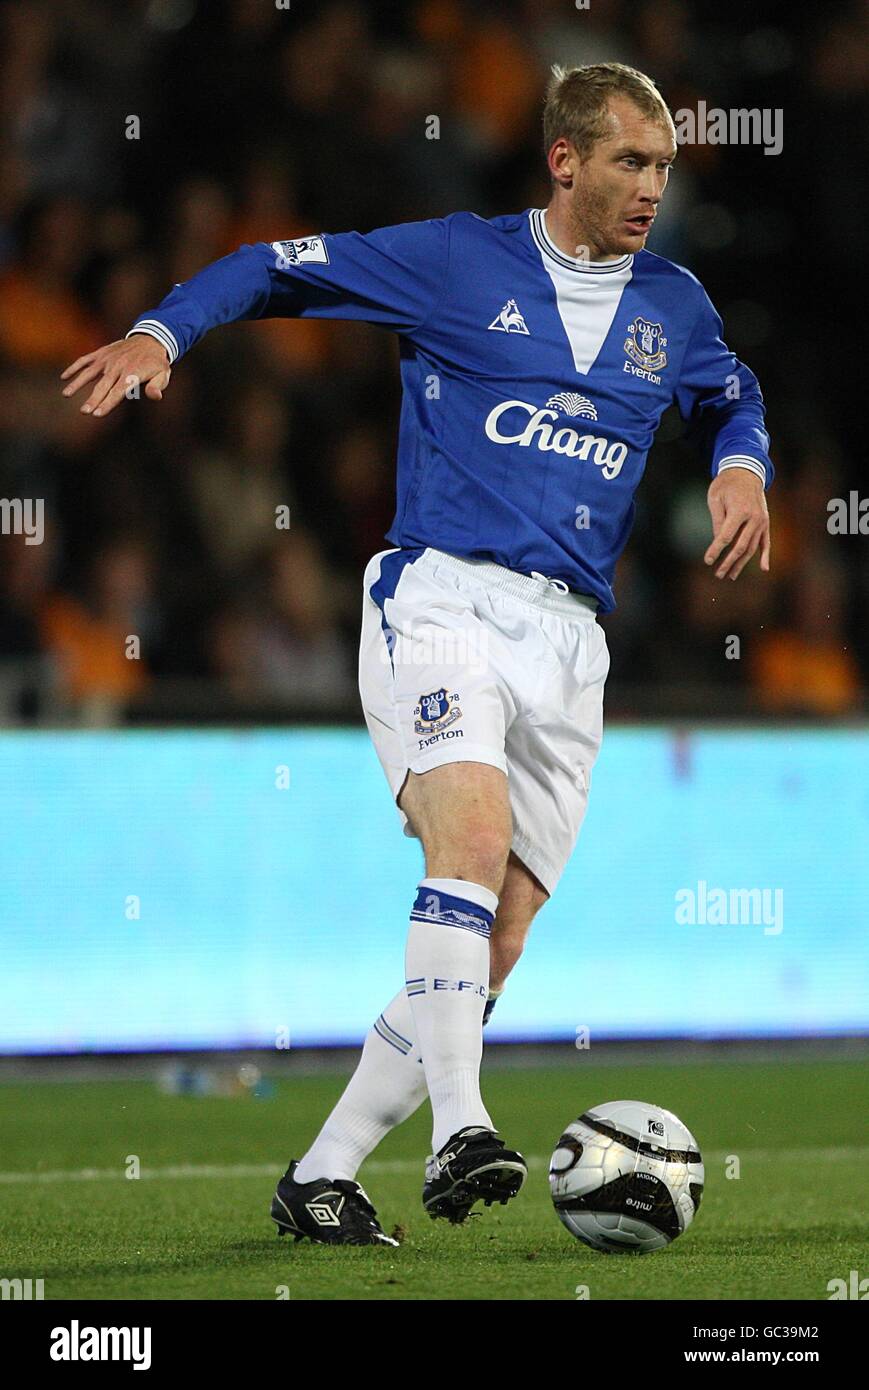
539,351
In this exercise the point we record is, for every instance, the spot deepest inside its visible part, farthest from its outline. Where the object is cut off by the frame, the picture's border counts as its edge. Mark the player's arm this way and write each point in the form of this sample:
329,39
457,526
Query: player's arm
394,276
721,399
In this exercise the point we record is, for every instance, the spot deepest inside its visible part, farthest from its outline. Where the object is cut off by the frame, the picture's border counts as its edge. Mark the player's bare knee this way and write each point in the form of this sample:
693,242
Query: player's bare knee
479,856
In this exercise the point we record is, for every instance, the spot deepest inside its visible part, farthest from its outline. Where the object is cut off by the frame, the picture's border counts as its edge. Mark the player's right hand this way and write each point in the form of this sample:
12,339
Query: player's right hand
117,370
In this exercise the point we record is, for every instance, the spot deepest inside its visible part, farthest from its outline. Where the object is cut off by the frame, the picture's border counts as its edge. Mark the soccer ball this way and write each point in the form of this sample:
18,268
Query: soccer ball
626,1177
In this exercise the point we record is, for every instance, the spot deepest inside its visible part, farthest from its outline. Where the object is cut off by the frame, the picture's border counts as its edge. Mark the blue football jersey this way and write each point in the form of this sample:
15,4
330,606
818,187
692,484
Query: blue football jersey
533,382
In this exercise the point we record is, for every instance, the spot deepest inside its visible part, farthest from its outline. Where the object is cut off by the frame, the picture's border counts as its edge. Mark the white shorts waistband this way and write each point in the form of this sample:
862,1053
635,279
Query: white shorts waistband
533,588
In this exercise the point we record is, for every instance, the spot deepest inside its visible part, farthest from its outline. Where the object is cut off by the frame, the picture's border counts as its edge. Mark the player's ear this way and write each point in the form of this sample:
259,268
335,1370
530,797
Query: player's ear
562,161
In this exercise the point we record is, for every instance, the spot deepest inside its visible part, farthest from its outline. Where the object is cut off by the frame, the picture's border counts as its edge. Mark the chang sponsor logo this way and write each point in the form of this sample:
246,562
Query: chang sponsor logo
531,426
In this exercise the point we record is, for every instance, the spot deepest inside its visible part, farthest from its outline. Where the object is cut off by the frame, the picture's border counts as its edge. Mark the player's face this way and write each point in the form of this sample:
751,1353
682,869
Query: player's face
617,188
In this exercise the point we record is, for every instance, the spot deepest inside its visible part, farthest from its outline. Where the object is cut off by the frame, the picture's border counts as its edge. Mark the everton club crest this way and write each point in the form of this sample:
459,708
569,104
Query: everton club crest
645,344
436,711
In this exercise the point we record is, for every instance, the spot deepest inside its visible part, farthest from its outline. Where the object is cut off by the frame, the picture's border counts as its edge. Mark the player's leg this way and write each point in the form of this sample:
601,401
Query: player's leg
461,812
427,616
522,896
387,1086
389,1083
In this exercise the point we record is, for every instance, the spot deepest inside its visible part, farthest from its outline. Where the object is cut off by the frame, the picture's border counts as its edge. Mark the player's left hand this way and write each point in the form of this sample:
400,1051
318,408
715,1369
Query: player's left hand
740,520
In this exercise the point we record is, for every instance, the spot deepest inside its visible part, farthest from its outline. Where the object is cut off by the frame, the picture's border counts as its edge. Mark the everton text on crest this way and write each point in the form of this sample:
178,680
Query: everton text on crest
436,711
645,345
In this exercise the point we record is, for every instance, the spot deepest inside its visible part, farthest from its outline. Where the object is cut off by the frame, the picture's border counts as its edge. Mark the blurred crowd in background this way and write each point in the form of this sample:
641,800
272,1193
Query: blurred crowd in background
262,122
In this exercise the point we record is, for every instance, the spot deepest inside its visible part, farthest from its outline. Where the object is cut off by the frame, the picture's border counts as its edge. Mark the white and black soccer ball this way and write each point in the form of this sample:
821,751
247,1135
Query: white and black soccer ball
626,1177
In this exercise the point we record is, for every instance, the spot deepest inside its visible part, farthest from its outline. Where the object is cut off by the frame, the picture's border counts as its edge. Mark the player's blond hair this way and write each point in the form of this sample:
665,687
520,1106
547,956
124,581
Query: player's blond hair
576,102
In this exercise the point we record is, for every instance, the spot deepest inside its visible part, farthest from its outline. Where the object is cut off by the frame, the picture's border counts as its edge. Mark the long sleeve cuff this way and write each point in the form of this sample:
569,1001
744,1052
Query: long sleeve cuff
743,461
154,329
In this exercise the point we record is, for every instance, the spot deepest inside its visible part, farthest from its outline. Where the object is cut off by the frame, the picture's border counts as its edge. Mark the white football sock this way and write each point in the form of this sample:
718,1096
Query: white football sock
387,1086
447,963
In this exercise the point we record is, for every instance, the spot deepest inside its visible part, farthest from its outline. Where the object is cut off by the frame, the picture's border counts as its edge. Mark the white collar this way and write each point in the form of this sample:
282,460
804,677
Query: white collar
537,220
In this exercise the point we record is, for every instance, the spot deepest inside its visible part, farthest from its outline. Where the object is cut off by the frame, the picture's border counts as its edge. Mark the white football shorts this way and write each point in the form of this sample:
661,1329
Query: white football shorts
466,661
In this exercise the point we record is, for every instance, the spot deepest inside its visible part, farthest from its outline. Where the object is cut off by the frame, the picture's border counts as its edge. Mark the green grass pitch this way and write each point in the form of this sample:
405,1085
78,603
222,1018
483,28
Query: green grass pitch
195,1225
